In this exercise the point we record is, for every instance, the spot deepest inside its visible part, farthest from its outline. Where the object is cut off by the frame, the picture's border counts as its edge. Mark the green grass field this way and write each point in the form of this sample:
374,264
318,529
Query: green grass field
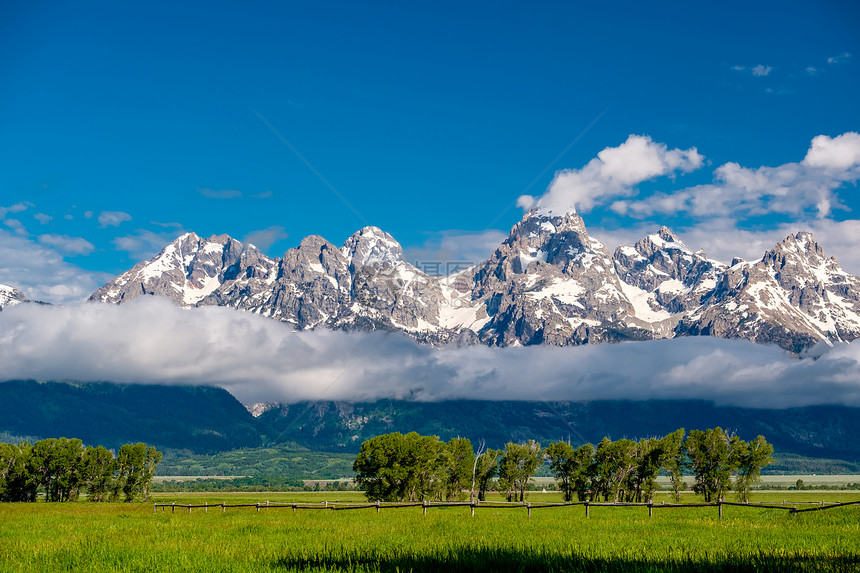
130,537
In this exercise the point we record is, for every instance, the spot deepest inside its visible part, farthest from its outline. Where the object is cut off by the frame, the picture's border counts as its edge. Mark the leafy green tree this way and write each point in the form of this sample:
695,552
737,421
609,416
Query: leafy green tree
459,460
486,468
57,464
426,460
99,466
748,460
614,463
17,481
394,467
642,482
672,446
153,458
571,468
561,462
711,462
379,467
135,468
518,464
582,478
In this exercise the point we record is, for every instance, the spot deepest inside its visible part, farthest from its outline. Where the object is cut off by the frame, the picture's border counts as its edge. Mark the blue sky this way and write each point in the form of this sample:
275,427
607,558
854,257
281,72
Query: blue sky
122,126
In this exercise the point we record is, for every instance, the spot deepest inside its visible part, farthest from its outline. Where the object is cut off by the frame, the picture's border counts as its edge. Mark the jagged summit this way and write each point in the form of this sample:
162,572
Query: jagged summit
370,245
666,239
186,271
802,243
548,282
10,296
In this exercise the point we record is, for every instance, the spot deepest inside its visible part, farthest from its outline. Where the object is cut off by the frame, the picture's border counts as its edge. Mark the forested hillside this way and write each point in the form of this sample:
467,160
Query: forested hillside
204,420
196,418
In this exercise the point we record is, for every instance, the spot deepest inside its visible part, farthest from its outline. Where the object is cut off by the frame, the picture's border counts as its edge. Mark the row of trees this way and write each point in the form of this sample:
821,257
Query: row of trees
63,468
397,467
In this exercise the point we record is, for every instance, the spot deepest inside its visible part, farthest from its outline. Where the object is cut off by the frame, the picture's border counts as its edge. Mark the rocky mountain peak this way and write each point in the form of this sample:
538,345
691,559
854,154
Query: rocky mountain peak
802,243
371,245
560,240
659,257
187,270
313,243
315,255
799,264
10,296
798,259
667,235
662,240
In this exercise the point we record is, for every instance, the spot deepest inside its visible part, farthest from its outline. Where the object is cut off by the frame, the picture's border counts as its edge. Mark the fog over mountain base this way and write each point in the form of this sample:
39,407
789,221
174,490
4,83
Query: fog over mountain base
258,360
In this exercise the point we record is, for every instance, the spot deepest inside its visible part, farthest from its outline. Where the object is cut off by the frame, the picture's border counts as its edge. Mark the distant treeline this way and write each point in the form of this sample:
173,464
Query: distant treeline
63,468
397,467
249,484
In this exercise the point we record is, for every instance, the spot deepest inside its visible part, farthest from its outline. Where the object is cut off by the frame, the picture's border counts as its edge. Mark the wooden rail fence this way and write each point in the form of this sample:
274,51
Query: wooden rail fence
791,507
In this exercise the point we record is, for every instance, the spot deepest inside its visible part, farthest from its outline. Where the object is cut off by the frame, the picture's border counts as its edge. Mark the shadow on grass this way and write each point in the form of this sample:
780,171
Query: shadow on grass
512,560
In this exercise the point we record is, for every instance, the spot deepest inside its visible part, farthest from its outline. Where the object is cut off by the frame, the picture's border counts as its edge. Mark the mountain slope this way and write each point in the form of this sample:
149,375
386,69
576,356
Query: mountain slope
200,419
208,420
816,431
794,296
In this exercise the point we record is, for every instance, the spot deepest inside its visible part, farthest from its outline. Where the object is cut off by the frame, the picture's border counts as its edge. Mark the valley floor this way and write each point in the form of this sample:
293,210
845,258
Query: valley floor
131,537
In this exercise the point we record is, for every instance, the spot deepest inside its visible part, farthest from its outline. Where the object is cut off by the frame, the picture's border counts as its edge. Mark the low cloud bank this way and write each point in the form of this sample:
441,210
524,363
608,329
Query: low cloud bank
256,359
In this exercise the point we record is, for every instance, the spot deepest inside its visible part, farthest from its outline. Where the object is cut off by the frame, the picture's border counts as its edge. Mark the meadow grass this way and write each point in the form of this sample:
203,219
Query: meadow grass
131,537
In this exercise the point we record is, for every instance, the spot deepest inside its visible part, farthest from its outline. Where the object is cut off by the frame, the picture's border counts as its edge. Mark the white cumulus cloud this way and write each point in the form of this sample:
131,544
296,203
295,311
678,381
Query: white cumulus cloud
113,218
68,245
38,269
792,188
613,173
144,244
265,238
839,153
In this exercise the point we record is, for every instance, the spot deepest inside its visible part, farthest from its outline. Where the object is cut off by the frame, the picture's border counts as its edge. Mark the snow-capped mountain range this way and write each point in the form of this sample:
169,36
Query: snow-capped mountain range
549,282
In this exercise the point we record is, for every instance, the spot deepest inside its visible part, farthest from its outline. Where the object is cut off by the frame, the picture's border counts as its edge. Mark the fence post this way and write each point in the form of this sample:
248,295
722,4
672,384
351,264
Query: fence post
529,506
267,504
155,508
223,507
258,507
650,510
720,504
189,508
473,508
173,510
377,506
586,509
205,507
325,504
424,504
